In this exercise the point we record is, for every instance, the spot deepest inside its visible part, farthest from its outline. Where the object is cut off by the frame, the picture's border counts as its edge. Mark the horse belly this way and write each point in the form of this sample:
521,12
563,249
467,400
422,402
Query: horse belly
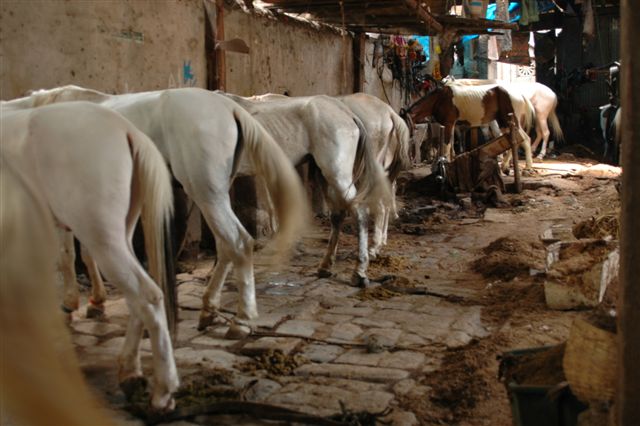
470,110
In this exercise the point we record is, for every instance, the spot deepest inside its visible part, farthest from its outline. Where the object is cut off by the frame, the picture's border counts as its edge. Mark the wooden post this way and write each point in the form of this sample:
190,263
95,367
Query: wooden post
514,152
474,137
359,55
629,302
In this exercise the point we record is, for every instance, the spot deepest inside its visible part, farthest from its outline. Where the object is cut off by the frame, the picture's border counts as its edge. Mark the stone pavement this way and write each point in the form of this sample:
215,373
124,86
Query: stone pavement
363,353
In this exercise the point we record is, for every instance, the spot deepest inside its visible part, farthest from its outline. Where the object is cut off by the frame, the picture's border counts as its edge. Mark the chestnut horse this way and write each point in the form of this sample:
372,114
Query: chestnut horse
475,105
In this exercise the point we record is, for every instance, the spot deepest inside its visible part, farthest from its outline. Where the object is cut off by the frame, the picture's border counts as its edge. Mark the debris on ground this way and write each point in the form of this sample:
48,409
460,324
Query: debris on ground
205,387
507,258
376,293
275,362
537,368
598,226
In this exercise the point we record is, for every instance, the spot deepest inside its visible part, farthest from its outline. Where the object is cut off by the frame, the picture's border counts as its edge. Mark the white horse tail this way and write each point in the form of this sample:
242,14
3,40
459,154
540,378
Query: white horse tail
287,194
368,174
152,185
39,373
401,160
555,124
529,115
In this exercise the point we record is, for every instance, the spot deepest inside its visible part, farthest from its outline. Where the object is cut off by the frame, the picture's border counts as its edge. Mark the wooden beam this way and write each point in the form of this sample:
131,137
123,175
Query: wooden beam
629,302
423,14
221,74
359,55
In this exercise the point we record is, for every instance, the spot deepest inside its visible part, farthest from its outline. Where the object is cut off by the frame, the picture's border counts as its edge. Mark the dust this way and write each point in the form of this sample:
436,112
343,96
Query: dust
598,227
539,368
275,363
507,258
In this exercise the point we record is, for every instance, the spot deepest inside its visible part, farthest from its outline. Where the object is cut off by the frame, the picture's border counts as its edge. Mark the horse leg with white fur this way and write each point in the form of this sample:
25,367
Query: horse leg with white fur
72,172
40,377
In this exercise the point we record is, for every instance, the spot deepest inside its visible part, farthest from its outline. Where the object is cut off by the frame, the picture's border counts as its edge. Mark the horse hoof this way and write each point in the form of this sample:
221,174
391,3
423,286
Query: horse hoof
373,254
238,332
206,319
324,273
134,388
96,311
359,281
163,404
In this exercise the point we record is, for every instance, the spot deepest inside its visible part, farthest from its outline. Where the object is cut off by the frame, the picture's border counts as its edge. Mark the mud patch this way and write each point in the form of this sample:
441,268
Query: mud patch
507,258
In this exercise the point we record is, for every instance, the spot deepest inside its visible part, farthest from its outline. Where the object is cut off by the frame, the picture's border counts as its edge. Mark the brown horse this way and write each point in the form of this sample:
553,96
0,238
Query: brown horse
475,105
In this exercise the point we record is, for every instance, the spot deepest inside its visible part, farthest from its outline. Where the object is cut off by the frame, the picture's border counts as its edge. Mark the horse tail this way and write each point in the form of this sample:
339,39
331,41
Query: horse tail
555,123
41,368
368,175
287,194
529,115
152,181
401,160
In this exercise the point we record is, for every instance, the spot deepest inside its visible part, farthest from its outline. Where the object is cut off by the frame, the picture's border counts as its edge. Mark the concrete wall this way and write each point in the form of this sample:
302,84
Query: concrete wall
113,46
286,55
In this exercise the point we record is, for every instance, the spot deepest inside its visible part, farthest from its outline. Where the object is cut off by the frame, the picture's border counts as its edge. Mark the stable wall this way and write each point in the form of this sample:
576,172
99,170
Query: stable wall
113,46
286,56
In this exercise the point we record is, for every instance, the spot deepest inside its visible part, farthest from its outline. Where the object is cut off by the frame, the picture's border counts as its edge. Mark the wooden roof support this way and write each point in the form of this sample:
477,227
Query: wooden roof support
629,299
429,20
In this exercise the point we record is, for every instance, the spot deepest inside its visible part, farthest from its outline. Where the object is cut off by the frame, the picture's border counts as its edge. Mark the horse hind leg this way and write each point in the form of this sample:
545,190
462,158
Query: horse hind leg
95,307
145,301
235,248
66,266
337,219
359,276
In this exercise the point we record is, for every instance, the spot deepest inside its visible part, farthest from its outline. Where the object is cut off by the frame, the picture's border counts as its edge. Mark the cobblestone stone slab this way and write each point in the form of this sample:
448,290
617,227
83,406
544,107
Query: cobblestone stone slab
373,322
407,360
264,344
96,328
347,332
360,357
321,353
208,358
301,328
325,400
348,371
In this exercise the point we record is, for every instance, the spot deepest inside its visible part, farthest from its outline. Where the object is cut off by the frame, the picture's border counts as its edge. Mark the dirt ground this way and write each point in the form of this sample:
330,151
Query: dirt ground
443,260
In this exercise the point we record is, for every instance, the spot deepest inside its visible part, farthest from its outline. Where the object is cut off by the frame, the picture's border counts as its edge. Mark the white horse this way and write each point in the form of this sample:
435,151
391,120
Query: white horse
97,173
544,101
325,130
39,373
389,137
204,136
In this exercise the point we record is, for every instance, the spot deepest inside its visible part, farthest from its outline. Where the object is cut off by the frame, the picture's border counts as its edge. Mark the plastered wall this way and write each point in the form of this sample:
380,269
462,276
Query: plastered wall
286,56
113,46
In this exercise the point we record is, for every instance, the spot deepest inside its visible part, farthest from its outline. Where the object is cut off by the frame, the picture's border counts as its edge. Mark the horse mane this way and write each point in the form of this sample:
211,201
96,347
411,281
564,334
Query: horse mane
41,368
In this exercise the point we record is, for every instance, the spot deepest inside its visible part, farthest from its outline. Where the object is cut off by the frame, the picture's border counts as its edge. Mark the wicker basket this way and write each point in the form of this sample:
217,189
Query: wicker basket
590,362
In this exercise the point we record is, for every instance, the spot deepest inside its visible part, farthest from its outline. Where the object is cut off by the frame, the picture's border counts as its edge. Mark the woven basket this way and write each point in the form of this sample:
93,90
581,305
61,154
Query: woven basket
590,362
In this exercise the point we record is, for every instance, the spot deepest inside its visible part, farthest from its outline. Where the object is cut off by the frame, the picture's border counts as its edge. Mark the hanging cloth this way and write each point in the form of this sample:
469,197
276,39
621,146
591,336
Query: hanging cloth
502,14
530,12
